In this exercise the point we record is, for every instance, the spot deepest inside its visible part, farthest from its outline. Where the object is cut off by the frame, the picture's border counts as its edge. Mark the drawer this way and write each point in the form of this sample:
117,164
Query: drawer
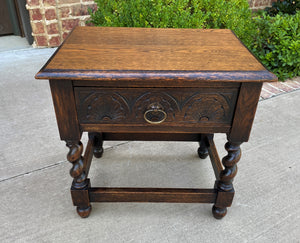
158,107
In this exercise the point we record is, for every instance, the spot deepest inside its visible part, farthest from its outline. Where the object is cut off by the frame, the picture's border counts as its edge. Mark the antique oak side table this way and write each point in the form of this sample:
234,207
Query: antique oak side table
154,85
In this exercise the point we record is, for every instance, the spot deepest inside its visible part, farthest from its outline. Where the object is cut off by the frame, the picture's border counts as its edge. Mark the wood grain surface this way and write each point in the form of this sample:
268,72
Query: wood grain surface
118,53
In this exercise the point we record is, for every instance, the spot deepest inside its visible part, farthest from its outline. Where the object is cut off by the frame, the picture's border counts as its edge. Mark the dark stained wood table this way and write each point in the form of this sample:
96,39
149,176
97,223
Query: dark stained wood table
154,85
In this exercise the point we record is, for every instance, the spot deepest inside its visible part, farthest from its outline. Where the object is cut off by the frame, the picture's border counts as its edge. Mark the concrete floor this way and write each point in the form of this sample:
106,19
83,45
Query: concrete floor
36,206
13,42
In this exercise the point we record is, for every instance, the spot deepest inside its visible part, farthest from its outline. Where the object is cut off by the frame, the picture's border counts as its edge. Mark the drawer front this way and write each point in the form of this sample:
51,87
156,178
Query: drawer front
156,106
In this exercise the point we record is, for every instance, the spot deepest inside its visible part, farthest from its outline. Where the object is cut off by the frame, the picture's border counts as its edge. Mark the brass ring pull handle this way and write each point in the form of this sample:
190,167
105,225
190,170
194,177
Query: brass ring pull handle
155,114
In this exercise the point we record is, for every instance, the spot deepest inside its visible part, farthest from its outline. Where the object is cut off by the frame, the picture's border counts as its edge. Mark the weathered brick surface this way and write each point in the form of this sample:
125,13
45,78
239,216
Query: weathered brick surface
49,3
79,10
265,94
38,28
68,24
52,20
41,41
276,88
282,86
50,14
68,1
32,3
260,4
36,14
65,12
53,29
269,87
54,41
293,84
65,35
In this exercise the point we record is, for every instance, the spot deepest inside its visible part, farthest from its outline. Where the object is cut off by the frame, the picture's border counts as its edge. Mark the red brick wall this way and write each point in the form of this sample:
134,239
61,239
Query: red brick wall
260,4
52,20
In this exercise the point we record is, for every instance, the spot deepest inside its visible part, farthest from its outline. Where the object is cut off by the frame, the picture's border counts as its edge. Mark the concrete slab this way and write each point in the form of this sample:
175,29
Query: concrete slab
36,206
13,42
27,118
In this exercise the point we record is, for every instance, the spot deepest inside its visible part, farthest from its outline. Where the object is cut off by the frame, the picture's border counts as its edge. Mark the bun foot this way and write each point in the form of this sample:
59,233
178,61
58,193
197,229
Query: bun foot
98,152
84,212
219,213
202,152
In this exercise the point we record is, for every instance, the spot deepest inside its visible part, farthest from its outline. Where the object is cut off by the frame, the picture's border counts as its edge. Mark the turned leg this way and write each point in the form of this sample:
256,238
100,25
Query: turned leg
224,185
202,150
97,144
80,184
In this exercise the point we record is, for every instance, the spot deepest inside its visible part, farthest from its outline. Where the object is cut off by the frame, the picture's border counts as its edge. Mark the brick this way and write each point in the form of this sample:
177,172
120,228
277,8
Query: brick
250,3
65,12
271,89
293,84
76,10
281,86
33,3
41,41
49,3
65,35
262,3
54,41
79,10
36,14
266,94
52,28
68,1
69,24
50,14
38,28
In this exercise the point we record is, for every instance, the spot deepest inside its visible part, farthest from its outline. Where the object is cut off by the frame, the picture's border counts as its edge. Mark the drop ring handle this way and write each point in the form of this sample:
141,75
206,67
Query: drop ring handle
155,114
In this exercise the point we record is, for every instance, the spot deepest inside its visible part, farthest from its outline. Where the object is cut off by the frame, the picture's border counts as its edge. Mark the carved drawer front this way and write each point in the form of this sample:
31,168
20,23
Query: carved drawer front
156,106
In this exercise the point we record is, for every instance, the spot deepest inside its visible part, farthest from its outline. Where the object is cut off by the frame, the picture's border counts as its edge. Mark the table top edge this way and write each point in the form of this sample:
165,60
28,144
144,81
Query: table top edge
164,75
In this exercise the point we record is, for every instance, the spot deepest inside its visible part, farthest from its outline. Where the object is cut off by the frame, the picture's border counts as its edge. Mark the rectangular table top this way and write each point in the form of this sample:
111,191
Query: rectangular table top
108,53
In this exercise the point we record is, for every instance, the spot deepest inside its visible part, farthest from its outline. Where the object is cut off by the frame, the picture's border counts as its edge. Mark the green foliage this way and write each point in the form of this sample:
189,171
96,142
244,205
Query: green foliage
277,43
285,7
231,14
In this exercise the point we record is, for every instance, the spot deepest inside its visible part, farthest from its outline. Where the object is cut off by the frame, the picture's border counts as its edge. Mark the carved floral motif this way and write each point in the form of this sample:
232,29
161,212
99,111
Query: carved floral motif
205,108
104,107
129,106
